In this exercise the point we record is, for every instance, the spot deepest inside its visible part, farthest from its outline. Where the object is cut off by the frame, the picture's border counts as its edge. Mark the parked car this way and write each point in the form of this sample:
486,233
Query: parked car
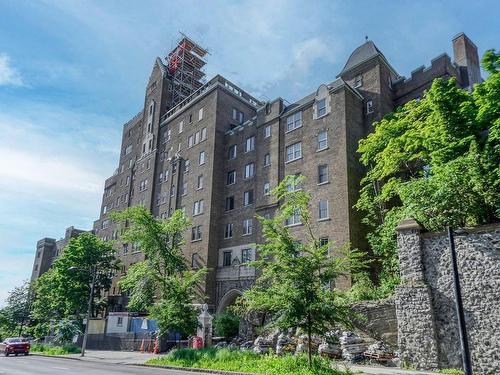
15,345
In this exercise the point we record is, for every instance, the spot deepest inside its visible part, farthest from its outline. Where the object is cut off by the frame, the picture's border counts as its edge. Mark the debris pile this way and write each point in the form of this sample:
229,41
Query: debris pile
352,346
330,346
261,345
379,349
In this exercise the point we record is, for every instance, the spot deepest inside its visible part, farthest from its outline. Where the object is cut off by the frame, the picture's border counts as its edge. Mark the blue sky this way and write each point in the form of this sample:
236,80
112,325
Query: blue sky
72,72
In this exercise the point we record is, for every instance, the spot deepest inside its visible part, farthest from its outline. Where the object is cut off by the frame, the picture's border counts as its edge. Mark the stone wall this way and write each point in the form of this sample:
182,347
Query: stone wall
380,320
428,334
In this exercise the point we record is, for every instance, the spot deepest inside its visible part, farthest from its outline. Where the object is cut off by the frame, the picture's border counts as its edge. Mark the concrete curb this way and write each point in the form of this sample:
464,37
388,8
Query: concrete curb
191,369
55,356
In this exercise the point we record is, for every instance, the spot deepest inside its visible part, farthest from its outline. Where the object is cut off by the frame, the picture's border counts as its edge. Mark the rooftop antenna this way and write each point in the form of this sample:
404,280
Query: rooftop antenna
366,38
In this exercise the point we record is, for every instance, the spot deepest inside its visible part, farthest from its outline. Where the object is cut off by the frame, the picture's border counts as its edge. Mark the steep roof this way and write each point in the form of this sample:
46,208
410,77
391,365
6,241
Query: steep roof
364,52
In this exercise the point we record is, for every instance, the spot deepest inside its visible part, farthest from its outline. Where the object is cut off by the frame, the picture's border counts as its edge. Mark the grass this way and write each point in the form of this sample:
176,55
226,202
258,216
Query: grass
451,371
55,349
246,361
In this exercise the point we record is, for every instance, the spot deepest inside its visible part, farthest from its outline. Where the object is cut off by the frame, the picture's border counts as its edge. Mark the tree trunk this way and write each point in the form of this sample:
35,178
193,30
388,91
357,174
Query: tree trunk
309,354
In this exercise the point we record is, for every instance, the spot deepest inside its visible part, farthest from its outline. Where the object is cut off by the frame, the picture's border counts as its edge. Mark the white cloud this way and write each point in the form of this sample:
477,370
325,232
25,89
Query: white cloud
307,52
8,74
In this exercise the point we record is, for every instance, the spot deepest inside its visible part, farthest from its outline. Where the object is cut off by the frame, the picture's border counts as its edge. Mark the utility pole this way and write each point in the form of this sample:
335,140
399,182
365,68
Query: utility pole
459,307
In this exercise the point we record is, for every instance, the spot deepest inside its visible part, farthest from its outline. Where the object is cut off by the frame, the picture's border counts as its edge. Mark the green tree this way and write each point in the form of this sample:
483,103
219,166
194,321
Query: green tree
436,160
162,284
226,324
63,291
295,286
16,314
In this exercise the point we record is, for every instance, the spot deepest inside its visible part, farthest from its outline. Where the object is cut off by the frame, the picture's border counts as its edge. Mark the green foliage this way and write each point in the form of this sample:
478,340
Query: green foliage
55,349
294,286
63,292
162,284
451,371
65,330
226,324
246,361
15,316
437,161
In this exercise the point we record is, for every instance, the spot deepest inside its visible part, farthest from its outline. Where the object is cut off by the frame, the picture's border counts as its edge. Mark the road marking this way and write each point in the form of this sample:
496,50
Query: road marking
60,368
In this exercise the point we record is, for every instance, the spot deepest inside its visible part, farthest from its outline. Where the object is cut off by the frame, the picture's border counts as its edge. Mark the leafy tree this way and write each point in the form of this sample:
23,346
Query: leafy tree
162,284
63,291
295,282
226,324
437,161
65,330
16,314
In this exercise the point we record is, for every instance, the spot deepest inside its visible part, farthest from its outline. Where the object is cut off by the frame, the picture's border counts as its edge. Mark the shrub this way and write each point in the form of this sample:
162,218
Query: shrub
55,349
226,324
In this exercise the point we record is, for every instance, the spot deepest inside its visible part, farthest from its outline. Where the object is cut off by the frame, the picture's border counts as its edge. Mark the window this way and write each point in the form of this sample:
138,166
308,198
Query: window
119,321
143,185
231,177
232,152
247,227
250,144
172,191
267,131
125,248
323,209
128,150
194,260
169,134
294,152
248,197
238,116
228,230
229,203
203,134
322,174
294,121
293,186
184,189
201,158
294,219
200,182
267,160
105,209
321,107
196,233
246,255
196,138
322,140
190,118
226,259
181,127
105,224
187,163
369,106
200,114
249,170
127,181
198,207
323,241
267,189
191,141
358,81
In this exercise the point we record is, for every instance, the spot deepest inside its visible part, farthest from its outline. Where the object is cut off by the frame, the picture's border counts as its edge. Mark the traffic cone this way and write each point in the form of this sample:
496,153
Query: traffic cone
142,346
156,349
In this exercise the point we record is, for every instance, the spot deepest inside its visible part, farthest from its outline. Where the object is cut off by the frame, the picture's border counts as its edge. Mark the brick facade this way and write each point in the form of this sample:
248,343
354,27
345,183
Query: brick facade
323,128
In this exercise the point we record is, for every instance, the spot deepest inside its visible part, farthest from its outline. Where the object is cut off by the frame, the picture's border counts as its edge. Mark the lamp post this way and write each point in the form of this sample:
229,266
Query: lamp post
459,307
93,272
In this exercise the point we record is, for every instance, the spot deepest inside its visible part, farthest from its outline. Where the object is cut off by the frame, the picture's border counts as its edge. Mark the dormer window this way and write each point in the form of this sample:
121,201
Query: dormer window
369,106
358,81
321,107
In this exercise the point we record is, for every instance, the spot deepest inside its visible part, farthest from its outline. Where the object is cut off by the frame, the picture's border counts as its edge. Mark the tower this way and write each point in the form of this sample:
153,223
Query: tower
466,57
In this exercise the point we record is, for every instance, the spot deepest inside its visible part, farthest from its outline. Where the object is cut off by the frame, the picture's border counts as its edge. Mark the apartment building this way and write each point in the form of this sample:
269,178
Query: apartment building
215,152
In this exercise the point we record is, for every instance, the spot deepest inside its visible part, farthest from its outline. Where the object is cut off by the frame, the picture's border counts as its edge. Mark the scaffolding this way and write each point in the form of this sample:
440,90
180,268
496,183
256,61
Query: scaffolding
185,65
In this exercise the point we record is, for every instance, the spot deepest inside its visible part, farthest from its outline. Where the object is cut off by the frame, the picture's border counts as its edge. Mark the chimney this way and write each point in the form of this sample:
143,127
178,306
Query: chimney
466,57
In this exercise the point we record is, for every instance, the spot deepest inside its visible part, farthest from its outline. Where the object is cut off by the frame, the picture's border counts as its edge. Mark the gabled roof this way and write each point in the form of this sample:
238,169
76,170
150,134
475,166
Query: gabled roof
364,52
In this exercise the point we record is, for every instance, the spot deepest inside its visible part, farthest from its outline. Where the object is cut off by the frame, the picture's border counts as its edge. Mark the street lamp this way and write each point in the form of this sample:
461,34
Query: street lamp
459,306
93,272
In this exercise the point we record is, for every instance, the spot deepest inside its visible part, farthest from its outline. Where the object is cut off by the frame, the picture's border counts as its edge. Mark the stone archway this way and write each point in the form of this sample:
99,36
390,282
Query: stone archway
227,300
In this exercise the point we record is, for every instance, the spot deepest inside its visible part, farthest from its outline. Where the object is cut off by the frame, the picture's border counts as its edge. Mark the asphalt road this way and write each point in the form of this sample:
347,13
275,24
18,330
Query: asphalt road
34,365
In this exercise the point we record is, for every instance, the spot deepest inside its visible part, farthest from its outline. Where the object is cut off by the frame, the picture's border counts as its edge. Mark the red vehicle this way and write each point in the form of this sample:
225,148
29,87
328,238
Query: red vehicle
15,345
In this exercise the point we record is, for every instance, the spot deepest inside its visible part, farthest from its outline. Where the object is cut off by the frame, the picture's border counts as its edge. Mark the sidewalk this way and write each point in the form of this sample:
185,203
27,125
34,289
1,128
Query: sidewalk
108,356
138,358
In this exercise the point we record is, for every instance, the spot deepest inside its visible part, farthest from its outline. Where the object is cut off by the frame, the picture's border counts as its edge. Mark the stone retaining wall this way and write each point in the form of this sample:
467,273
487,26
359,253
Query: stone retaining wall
380,320
428,334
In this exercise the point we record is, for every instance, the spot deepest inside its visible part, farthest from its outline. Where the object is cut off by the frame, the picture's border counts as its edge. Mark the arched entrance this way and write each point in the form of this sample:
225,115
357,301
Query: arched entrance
227,300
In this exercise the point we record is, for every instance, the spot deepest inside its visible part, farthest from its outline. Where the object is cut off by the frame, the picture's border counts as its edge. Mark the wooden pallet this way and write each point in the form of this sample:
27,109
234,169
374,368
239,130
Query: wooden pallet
379,357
